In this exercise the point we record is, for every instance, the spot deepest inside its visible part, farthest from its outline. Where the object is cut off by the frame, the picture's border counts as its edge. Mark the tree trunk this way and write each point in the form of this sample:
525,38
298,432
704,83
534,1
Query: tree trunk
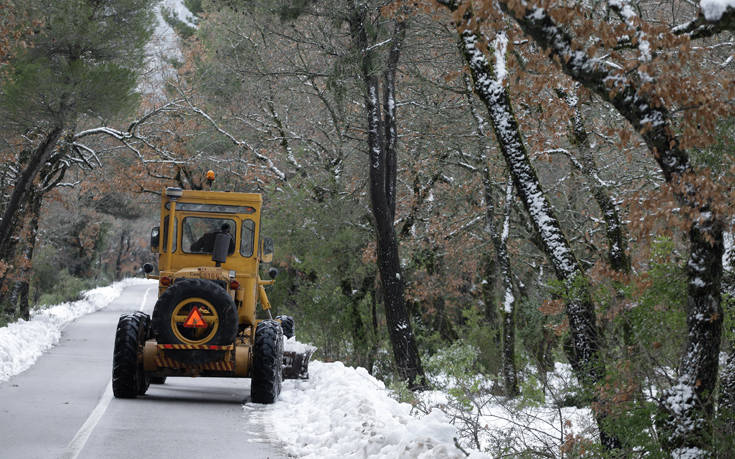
726,407
122,249
501,260
22,187
31,233
689,405
617,247
9,225
510,377
382,167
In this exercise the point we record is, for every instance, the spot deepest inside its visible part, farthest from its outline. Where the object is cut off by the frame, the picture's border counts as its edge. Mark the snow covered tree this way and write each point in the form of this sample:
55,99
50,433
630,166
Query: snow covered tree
382,143
662,86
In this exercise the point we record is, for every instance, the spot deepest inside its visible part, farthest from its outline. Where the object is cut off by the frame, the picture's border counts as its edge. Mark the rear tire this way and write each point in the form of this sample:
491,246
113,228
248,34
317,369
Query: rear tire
220,301
266,379
288,326
145,333
128,379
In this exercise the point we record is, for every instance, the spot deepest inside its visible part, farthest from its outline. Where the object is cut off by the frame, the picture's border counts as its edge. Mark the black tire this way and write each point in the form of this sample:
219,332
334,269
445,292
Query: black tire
145,333
157,379
265,385
220,300
128,380
288,326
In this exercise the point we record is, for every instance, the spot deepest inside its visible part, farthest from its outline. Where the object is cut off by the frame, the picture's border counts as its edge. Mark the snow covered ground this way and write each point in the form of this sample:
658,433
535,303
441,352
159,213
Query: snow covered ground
23,342
343,412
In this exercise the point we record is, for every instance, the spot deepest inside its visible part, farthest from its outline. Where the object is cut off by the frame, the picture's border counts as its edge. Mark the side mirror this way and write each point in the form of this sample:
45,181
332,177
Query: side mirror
266,250
272,273
155,237
147,268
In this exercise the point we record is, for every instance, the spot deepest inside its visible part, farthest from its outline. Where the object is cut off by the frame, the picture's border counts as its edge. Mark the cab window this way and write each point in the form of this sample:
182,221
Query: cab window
163,244
248,238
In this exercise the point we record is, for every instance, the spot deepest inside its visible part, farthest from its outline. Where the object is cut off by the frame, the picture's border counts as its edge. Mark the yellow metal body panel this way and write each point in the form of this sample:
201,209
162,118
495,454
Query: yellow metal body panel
242,360
177,264
155,362
150,352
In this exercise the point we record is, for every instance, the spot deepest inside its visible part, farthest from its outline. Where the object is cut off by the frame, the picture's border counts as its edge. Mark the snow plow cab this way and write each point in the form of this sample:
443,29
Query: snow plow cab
204,321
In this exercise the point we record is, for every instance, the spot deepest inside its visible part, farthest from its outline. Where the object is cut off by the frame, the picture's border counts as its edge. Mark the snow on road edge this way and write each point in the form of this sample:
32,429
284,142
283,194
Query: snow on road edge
343,412
23,342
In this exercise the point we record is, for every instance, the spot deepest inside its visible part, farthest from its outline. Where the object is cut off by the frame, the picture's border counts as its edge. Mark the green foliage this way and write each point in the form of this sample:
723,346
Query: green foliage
195,6
182,28
533,329
645,329
719,155
323,282
52,283
659,317
455,369
66,288
46,271
83,60
476,332
293,9
531,392
728,324
399,391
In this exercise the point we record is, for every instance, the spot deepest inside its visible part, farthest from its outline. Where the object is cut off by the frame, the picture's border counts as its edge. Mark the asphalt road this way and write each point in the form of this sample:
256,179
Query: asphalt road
62,407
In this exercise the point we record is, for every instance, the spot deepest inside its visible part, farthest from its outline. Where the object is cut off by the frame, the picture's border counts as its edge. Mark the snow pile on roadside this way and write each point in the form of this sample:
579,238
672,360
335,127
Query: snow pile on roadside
291,345
343,412
23,342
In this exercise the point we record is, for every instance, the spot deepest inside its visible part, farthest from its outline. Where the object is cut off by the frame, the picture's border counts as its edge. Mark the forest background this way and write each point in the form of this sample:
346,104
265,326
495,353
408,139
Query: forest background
461,193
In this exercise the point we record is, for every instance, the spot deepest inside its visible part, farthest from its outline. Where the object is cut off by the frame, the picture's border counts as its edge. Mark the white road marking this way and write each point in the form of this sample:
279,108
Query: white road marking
145,297
77,443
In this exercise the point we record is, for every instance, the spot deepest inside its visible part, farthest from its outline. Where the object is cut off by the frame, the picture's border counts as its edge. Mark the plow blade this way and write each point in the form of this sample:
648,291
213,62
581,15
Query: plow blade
296,360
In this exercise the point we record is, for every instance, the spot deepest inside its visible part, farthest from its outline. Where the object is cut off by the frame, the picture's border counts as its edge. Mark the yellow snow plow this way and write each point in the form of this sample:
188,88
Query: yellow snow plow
204,323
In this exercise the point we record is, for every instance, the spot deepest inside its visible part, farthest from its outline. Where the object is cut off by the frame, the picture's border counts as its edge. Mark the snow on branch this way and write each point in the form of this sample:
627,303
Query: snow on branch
715,16
128,138
644,111
238,143
628,15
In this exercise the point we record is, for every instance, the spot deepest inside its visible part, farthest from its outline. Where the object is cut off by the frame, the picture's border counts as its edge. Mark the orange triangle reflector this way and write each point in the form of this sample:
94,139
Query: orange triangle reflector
195,319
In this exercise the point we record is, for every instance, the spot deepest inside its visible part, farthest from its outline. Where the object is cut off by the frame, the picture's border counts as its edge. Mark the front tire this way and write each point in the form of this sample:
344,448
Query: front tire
128,379
266,379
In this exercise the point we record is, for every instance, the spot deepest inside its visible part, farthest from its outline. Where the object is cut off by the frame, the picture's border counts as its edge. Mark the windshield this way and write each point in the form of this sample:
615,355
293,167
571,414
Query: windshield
199,233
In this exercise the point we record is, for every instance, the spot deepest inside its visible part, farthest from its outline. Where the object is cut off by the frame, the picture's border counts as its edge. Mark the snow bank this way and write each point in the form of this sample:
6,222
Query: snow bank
343,412
23,342
291,345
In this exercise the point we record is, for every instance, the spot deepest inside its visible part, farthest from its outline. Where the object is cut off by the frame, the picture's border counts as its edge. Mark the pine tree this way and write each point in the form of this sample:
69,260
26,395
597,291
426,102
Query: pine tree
83,60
